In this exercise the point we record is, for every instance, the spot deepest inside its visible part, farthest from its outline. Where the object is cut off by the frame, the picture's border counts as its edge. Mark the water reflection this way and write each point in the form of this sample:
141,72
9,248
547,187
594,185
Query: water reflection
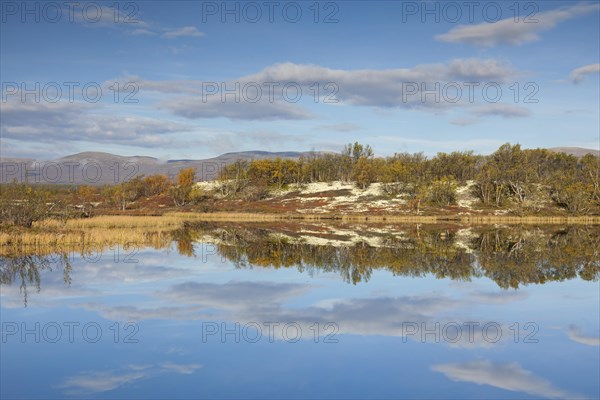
509,256
415,311
26,269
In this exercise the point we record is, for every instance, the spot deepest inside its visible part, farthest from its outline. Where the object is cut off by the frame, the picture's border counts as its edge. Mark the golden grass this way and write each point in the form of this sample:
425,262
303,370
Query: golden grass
421,219
504,219
169,220
92,234
82,242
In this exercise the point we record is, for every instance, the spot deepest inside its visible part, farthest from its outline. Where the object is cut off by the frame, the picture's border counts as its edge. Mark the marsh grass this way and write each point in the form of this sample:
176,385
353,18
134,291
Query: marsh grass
170,220
91,234
43,243
421,219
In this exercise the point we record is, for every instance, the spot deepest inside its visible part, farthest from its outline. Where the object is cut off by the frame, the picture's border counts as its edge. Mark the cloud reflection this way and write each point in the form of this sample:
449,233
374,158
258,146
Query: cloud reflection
575,333
91,382
507,376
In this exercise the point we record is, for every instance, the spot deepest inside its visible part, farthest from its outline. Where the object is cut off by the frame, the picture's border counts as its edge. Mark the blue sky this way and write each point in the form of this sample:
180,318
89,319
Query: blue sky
360,67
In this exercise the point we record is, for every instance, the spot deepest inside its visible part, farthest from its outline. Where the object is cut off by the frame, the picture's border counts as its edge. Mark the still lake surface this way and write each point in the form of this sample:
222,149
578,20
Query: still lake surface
238,311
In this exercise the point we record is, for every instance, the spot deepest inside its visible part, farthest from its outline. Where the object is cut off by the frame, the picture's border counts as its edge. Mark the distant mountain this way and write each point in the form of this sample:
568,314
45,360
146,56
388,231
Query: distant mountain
575,151
98,168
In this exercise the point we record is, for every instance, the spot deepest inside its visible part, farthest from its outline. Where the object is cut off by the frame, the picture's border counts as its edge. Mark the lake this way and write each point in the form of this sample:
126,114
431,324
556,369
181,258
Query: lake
282,310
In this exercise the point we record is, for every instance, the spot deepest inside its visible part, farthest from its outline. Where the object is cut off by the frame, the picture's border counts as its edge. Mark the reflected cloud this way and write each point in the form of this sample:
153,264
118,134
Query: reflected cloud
157,290
507,376
575,333
96,382
92,382
498,297
181,368
259,302
234,295
134,313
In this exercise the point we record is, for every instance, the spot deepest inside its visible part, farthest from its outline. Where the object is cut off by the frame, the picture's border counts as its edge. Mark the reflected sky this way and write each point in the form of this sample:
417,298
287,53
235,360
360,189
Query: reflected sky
174,326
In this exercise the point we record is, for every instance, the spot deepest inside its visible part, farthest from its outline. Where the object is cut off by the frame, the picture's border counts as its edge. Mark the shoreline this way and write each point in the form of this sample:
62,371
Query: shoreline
422,219
90,234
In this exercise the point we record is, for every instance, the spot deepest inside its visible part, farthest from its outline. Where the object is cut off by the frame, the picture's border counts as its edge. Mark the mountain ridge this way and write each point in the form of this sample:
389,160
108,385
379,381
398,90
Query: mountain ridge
575,151
98,168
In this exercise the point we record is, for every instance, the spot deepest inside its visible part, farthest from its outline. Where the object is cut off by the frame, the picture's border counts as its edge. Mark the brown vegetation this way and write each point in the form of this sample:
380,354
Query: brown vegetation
524,185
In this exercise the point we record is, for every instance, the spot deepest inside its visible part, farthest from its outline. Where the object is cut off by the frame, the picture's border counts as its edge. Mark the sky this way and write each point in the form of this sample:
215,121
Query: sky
191,80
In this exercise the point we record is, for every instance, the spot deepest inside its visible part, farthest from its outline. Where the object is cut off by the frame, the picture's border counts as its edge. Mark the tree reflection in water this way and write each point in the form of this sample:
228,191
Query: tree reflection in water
27,269
510,256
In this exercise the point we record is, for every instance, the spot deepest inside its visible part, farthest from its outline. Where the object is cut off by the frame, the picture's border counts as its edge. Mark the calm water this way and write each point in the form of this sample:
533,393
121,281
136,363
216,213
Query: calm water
312,312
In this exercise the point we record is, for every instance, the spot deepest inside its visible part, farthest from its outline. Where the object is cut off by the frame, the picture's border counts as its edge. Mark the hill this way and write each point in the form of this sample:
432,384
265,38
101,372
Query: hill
99,168
575,151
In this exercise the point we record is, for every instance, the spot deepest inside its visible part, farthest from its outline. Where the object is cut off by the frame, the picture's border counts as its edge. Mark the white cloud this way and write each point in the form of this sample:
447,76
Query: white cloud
63,121
465,121
401,88
128,20
510,376
344,127
142,32
266,139
139,367
481,145
186,31
501,110
215,107
507,31
578,74
180,49
386,88
179,86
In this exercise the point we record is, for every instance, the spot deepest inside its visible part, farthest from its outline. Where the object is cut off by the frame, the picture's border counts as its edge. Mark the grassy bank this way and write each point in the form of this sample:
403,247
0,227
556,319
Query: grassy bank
421,219
87,235
90,234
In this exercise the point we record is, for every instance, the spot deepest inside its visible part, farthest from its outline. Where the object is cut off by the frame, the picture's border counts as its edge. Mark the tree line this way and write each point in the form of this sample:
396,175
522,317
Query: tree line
22,204
510,175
